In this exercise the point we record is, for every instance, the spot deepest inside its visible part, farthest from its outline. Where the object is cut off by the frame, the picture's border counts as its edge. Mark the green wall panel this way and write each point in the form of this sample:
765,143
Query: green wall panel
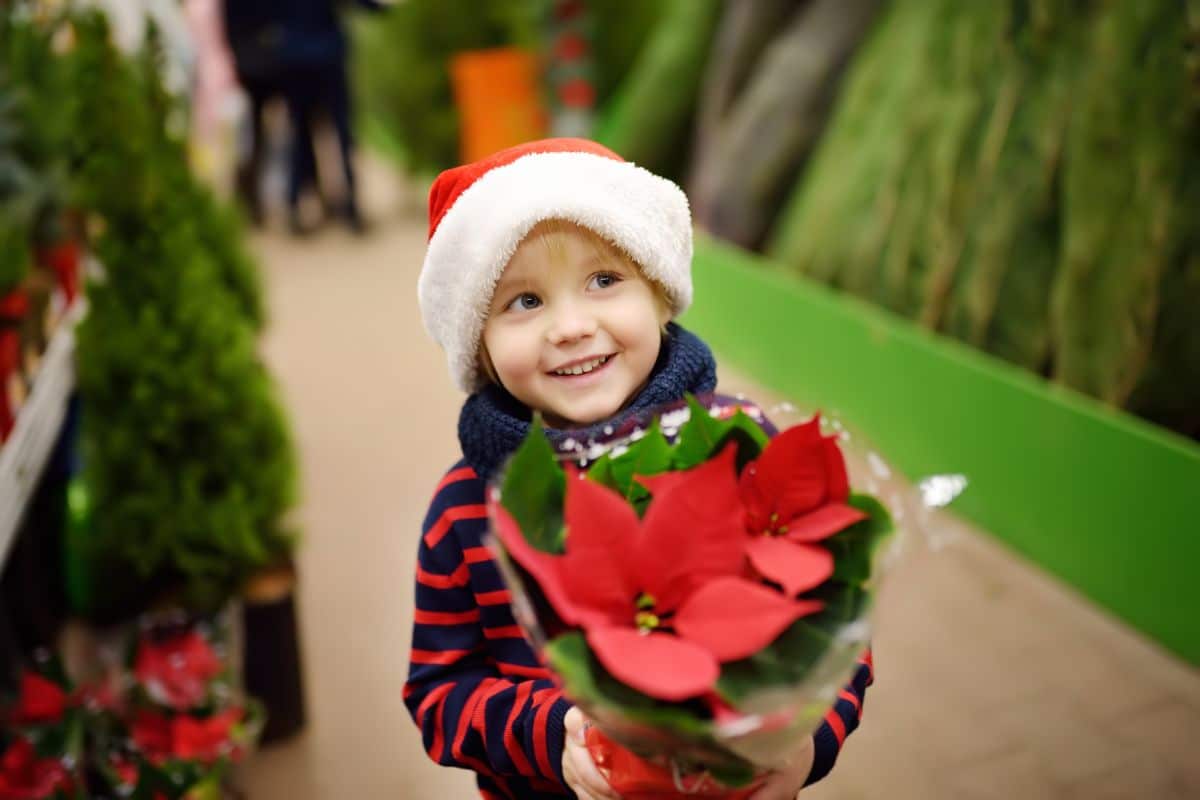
1107,502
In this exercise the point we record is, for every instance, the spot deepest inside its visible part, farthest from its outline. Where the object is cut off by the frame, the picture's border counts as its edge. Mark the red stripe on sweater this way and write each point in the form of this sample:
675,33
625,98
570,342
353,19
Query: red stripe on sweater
489,688
523,672
510,739
422,617
500,597
437,656
460,577
506,632
540,746
446,521
846,694
477,555
434,696
839,727
454,476
460,735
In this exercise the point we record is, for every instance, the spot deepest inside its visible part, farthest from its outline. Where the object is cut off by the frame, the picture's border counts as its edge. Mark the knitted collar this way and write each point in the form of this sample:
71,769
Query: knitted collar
493,423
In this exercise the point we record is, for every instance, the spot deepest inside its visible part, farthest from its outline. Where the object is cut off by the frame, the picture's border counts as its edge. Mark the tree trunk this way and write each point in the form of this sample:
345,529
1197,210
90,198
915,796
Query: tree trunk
746,28
778,119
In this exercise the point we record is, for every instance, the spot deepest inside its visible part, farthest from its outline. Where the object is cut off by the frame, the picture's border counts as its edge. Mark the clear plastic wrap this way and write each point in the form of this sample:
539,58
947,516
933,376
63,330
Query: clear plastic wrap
750,513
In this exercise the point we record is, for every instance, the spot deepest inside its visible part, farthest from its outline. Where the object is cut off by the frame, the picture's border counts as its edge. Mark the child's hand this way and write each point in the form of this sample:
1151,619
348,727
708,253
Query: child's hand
785,784
581,774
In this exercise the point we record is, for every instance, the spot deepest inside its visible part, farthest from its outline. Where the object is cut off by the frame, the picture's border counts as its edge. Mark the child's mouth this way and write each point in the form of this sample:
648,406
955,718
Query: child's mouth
583,369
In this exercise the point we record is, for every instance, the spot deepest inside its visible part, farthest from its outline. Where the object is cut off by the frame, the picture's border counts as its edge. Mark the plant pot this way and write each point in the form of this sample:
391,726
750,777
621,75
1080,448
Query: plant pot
497,93
271,659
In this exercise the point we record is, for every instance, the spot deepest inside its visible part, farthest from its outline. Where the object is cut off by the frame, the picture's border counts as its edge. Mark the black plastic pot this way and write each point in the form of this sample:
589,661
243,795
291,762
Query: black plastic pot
272,665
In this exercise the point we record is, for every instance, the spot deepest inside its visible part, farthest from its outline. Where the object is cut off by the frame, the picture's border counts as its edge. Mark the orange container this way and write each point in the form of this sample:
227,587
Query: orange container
498,95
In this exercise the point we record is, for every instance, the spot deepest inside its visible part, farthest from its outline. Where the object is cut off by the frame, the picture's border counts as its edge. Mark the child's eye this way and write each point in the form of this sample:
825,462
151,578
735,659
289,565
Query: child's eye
604,280
526,301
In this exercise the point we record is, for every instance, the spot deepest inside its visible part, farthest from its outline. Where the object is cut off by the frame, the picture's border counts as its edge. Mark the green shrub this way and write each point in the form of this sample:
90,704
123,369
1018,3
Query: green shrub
188,463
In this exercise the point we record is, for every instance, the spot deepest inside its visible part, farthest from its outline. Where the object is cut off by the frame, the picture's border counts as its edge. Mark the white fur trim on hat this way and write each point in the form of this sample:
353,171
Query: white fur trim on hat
643,214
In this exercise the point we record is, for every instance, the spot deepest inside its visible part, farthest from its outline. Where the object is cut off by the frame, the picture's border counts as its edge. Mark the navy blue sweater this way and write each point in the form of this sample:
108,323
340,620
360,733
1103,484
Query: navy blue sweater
476,689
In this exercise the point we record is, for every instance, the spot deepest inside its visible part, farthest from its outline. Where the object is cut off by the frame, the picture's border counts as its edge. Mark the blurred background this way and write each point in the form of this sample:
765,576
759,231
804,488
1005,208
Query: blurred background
970,229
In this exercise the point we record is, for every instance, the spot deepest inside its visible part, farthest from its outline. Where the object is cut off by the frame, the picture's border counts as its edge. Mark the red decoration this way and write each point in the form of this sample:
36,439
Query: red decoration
570,46
186,737
204,739
177,672
14,305
24,776
63,260
42,701
577,93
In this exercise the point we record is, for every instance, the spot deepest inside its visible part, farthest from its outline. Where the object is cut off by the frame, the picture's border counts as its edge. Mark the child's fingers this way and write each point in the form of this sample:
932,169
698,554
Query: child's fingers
588,775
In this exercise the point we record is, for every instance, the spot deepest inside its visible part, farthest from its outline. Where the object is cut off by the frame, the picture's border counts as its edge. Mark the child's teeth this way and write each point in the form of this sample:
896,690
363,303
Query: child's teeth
582,368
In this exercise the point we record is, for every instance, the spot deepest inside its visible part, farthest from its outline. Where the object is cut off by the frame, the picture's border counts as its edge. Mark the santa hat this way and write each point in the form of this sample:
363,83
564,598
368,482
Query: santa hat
480,212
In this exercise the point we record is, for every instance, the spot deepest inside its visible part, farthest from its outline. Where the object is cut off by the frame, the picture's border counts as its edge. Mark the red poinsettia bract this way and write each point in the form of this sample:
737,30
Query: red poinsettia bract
795,495
41,701
24,776
177,671
161,738
662,601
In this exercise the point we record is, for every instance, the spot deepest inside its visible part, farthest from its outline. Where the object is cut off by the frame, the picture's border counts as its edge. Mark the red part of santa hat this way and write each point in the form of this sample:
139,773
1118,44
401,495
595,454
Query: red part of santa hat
480,212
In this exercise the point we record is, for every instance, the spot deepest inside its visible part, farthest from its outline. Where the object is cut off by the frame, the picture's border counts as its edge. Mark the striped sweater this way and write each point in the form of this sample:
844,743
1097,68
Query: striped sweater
475,687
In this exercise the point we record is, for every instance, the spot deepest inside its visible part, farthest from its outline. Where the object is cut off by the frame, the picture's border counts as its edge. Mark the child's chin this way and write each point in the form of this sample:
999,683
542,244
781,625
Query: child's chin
583,417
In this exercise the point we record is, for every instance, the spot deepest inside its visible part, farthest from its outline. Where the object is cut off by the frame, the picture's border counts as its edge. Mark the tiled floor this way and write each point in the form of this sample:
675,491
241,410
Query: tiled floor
993,680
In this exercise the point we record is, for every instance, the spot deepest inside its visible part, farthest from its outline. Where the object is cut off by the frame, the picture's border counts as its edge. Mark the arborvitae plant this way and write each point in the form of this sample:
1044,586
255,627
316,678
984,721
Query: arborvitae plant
188,463
1018,174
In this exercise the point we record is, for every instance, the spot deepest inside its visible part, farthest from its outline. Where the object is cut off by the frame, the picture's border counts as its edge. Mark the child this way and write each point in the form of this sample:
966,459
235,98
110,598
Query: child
552,272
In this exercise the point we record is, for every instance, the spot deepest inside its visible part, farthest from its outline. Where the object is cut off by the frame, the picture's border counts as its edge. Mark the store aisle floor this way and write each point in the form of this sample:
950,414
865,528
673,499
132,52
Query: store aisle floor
994,681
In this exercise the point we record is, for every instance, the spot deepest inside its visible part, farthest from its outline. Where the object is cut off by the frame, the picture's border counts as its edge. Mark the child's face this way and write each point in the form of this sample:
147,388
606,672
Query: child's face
565,302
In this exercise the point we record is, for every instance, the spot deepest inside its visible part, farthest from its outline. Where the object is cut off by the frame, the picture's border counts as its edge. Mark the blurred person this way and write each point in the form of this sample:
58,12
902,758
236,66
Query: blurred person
539,311
313,53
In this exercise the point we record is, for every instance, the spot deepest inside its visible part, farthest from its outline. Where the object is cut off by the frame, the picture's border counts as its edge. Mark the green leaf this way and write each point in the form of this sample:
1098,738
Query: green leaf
854,548
734,775
650,455
702,436
534,489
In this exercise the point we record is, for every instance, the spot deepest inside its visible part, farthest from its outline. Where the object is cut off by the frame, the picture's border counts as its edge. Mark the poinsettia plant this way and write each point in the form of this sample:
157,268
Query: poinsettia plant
163,722
699,586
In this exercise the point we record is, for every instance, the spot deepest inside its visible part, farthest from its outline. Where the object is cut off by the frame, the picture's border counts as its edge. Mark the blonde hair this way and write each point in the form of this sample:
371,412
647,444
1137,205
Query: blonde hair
546,234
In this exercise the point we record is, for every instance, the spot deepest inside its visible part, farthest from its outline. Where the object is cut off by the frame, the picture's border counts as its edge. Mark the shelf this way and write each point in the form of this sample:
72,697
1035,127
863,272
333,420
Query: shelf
24,455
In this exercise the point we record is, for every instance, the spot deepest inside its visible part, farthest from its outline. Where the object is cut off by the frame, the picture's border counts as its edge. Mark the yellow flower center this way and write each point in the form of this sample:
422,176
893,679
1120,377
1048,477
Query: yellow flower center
774,528
646,620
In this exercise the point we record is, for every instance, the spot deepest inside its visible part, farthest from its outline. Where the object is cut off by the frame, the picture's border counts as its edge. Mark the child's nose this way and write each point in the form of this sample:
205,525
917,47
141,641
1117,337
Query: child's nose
570,322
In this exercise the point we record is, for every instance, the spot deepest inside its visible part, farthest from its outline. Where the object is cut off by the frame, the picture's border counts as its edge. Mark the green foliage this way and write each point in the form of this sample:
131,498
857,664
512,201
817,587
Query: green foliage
1127,148
1014,174
703,436
402,67
188,462
32,168
534,484
620,30
648,118
534,489
649,455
